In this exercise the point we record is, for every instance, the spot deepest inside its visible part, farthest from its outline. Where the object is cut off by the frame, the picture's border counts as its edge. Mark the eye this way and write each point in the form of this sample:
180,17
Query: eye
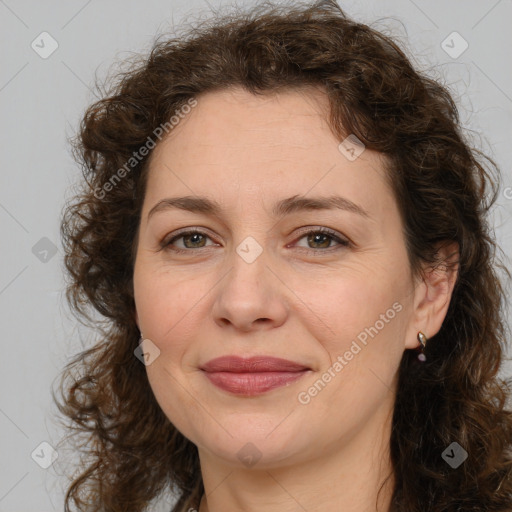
192,239
196,239
322,238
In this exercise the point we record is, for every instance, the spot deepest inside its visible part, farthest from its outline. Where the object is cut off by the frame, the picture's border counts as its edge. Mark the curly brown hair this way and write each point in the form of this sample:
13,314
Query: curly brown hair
444,189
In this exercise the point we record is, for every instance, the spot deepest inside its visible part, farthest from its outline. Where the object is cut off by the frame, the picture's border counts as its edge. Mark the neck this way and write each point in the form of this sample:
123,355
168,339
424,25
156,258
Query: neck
346,475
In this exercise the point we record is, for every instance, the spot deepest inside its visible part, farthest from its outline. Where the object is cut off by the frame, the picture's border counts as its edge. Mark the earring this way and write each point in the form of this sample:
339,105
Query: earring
423,340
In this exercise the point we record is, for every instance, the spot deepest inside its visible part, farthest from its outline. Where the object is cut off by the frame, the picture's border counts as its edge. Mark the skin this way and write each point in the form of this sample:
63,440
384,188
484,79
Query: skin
248,152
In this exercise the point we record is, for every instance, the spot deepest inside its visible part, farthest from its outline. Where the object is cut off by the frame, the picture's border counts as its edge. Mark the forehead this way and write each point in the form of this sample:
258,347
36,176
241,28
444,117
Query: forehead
249,149
234,116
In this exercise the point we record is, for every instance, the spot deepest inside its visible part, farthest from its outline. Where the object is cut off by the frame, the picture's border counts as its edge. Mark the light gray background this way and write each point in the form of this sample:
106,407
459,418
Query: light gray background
41,103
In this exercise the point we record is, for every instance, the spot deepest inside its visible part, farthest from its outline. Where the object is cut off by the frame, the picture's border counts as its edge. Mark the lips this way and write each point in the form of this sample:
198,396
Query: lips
252,376
254,364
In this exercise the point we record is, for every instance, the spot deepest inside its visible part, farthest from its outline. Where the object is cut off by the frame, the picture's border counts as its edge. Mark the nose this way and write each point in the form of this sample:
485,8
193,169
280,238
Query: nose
250,296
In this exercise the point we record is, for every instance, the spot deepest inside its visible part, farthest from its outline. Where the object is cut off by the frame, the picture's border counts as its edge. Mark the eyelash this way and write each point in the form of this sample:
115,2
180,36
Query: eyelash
166,244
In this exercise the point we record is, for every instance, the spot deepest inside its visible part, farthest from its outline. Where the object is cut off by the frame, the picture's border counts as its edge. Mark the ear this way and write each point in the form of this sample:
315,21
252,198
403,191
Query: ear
136,315
433,293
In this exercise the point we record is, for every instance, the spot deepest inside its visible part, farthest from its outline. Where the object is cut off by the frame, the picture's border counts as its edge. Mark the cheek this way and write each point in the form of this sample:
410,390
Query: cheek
362,315
361,330
165,303
169,312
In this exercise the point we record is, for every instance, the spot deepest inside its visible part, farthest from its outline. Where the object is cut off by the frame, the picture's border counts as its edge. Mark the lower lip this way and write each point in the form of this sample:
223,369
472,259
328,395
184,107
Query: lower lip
250,384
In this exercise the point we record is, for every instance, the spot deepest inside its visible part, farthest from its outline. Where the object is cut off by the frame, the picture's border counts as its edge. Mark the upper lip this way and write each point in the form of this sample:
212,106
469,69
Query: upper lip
253,364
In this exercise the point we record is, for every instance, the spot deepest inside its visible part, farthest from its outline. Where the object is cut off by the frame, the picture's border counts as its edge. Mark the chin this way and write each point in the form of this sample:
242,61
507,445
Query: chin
256,452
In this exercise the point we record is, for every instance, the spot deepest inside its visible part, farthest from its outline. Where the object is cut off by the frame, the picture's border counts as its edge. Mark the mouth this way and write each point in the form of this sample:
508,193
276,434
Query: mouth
252,376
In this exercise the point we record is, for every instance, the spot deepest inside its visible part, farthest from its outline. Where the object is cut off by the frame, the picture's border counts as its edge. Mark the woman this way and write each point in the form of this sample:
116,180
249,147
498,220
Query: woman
286,234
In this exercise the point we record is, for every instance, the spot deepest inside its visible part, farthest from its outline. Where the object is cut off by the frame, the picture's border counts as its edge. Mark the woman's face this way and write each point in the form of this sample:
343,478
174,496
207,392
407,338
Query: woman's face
260,280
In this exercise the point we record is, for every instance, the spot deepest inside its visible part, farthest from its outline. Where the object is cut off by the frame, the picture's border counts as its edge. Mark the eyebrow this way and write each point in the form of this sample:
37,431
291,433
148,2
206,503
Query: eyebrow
201,204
